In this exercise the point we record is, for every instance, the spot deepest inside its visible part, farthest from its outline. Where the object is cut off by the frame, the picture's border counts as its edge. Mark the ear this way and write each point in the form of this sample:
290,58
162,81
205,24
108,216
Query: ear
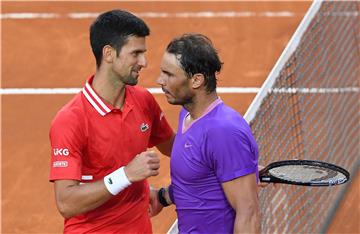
108,53
197,80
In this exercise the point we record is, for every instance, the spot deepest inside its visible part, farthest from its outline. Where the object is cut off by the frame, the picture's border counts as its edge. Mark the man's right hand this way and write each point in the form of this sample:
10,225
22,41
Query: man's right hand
144,165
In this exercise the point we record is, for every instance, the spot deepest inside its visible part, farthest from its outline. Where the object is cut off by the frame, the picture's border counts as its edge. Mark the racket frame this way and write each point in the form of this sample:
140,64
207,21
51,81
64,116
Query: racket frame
265,176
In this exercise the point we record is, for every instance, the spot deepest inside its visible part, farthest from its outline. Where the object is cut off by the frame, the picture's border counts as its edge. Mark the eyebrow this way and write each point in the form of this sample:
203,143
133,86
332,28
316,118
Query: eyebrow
139,51
167,72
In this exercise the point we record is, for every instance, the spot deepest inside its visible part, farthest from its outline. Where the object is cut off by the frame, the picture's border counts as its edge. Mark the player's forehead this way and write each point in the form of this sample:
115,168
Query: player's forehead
134,43
170,61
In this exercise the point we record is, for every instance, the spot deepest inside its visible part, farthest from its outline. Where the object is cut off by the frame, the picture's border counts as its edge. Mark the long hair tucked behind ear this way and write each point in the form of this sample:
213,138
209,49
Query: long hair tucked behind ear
113,28
197,54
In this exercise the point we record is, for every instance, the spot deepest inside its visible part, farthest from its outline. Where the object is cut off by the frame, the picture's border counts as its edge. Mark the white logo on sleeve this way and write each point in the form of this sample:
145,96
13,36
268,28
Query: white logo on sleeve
60,164
61,152
87,177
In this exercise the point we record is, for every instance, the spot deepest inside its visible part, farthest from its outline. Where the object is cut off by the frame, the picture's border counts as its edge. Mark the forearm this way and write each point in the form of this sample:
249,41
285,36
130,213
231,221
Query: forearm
242,196
247,222
158,200
78,198
73,198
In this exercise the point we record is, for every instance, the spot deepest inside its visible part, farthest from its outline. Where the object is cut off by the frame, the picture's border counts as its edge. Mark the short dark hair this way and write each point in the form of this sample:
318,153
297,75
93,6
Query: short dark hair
197,54
113,28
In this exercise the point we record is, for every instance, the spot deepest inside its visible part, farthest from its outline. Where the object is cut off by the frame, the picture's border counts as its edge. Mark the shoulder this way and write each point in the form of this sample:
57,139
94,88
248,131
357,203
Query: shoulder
227,112
70,114
139,91
141,95
226,120
69,126
143,98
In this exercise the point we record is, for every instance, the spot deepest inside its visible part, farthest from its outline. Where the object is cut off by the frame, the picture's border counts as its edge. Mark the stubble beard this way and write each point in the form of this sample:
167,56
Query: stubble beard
130,80
181,102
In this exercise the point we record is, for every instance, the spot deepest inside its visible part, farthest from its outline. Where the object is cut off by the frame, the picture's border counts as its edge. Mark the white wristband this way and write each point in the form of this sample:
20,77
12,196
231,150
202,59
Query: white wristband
116,181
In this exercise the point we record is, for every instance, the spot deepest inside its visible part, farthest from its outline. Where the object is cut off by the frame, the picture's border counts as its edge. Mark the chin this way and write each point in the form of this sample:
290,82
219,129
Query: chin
131,84
175,102
132,81
170,101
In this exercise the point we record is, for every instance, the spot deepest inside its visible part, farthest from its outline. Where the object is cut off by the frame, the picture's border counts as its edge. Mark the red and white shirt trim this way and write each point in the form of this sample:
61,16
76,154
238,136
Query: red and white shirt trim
95,100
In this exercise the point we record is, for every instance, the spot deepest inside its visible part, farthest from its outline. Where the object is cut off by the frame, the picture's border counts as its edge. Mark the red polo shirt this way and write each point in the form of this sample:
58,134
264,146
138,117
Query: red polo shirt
91,139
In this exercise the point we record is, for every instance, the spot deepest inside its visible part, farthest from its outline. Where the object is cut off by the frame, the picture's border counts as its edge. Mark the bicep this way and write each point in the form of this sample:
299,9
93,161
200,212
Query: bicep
74,190
61,187
241,192
73,198
230,155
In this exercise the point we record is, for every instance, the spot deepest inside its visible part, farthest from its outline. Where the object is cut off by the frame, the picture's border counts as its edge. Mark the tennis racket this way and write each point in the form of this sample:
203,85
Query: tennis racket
304,172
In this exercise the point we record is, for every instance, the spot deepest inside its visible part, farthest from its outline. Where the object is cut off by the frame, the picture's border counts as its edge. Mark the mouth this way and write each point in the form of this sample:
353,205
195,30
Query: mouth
136,71
136,74
167,93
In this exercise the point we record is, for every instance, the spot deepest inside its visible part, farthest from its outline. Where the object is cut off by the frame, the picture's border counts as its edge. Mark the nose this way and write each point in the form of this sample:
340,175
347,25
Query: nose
142,61
160,80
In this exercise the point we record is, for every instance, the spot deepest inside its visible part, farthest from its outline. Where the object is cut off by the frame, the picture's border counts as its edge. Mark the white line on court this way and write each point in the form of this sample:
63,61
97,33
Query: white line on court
24,91
234,90
201,14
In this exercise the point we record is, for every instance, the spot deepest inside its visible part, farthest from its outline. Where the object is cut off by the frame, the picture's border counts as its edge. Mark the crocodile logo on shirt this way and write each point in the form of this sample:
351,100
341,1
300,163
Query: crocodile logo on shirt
144,127
110,181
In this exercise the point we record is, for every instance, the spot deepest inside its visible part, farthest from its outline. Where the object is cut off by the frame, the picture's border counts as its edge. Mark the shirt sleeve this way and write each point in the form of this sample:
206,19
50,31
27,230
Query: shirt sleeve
66,142
230,152
161,130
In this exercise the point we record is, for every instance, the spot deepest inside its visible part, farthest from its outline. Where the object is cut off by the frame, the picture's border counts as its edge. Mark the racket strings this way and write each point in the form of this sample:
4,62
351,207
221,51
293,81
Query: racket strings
307,173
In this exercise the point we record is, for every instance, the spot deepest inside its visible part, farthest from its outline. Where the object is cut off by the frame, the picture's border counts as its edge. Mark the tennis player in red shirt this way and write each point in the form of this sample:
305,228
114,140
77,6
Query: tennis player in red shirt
99,140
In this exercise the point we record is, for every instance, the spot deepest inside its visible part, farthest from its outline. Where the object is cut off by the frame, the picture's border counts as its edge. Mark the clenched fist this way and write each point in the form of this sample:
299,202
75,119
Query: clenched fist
144,165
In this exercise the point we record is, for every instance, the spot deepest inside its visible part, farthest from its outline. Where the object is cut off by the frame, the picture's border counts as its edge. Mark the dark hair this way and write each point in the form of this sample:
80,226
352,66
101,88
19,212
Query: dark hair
196,54
113,28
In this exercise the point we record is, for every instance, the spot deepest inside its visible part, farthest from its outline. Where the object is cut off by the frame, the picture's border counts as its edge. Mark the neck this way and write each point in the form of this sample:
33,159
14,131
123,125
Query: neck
109,88
199,104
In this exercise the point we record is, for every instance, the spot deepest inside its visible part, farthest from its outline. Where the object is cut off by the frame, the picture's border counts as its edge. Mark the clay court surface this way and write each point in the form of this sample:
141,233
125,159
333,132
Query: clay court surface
55,53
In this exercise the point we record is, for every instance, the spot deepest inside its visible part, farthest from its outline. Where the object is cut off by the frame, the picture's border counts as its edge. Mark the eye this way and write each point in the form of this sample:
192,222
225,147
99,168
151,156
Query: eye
166,74
137,53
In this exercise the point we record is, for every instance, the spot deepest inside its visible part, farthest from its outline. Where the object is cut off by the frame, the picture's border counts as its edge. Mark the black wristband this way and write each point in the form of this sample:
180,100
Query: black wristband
161,197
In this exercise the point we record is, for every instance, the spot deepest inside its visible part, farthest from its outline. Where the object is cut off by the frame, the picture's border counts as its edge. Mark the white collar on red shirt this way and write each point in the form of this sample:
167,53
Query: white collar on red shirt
94,99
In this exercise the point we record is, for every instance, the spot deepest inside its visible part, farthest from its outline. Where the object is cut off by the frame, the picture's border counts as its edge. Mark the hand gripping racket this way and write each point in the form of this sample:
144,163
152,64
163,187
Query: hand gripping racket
304,172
